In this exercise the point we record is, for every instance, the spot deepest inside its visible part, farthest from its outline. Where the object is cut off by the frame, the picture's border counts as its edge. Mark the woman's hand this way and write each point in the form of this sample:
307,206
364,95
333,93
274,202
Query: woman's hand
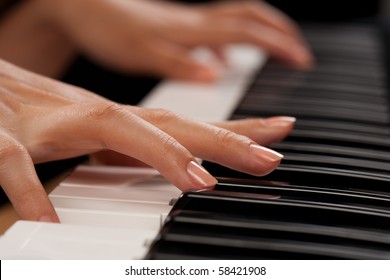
43,120
155,37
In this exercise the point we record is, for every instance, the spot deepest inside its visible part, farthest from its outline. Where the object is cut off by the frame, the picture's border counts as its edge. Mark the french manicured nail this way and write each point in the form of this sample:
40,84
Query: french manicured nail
265,153
200,175
205,74
47,219
302,56
280,121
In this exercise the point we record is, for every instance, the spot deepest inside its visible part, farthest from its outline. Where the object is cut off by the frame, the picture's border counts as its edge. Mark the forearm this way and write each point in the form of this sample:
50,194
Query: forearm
29,40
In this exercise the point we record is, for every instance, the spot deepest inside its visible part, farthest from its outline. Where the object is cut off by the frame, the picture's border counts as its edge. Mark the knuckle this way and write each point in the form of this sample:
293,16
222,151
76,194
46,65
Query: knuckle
102,110
161,115
11,148
243,29
224,137
170,146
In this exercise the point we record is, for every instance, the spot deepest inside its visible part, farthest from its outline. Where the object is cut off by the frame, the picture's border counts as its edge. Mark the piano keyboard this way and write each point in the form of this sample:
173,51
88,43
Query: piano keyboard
328,199
116,212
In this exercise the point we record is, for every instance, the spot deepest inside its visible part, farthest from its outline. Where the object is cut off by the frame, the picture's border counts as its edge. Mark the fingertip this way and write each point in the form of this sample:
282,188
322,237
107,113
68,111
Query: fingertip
261,160
282,121
204,74
200,177
302,57
47,218
265,154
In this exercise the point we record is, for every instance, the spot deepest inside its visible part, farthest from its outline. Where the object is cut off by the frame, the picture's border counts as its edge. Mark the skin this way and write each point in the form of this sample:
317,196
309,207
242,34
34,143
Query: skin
43,120
144,36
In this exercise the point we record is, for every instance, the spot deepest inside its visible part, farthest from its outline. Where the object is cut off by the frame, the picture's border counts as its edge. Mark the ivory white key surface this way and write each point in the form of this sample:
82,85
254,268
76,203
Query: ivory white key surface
111,219
118,213
35,240
119,197
117,184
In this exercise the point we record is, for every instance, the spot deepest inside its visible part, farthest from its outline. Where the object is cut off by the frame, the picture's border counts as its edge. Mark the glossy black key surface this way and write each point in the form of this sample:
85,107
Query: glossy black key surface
330,196
242,238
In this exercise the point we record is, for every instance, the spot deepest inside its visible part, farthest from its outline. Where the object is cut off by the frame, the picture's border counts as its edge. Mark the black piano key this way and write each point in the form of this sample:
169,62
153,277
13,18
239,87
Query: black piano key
291,74
319,102
337,114
260,90
335,70
350,164
326,62
350,139
324,149
325,169
313,77
312,177
171,247
244,243
357,199
319,124
258,186
312,124
330,178
227,233
193,218
325,86
285,210
302,195
329,198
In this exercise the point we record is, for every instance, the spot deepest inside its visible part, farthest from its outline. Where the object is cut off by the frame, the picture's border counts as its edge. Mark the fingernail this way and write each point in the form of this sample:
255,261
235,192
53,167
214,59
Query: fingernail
265,153
302,56
200,176
205,74
47,219
279,121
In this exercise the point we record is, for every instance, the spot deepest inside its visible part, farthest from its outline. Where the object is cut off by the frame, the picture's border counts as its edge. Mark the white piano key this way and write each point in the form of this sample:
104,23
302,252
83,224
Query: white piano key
103,176
73,210
156,192
35,240
123,184
111,219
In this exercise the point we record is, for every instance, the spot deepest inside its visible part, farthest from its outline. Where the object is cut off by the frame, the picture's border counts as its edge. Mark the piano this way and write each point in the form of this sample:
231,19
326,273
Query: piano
329,199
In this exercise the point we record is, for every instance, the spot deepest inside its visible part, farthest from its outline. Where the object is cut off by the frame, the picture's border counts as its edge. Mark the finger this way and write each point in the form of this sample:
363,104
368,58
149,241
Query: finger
215,144
177,63
21,184
262,131
275,43
220,55
114,158
46,86
261,12
93,127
